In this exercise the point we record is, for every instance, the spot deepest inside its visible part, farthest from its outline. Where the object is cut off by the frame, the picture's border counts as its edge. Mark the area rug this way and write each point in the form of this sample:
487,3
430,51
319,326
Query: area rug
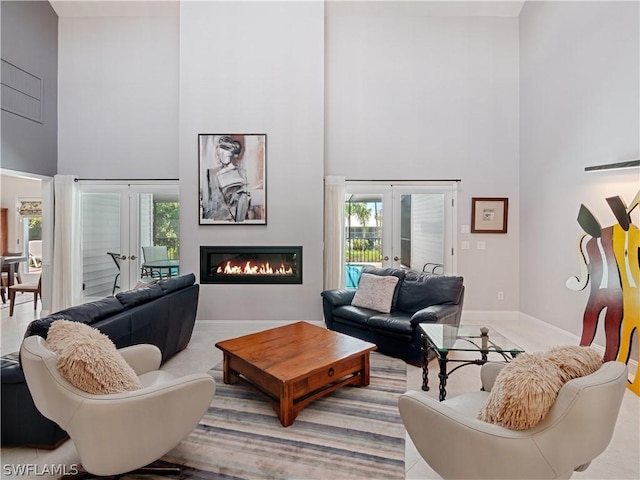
353,433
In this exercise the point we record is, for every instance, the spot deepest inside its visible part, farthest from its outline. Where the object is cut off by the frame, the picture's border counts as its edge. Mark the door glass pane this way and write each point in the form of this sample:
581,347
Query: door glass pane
101,220
159,221
422,231
363,234
33,241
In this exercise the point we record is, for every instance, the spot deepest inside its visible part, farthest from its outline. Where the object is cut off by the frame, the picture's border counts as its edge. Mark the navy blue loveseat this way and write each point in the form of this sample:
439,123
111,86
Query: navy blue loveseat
418,298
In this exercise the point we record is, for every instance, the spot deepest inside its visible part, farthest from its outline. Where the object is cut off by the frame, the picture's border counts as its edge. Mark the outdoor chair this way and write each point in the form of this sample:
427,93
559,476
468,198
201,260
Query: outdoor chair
151,254
116,258
35,253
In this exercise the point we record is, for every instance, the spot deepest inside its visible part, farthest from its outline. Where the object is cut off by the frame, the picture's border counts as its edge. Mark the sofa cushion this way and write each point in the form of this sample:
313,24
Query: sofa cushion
138,296
88,313
176,283
353,314
375,292
396,272
397,323
89,360
422,290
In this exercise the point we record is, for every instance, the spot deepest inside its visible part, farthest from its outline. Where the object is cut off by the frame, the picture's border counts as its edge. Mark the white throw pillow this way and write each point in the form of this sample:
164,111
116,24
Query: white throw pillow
375,292
89,360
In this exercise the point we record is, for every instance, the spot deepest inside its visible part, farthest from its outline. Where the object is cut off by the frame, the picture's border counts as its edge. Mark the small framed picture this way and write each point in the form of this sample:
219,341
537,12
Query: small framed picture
232,177
489,215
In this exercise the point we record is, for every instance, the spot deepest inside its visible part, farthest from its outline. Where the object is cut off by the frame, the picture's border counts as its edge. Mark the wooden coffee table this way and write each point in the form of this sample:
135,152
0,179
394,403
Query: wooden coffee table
295,364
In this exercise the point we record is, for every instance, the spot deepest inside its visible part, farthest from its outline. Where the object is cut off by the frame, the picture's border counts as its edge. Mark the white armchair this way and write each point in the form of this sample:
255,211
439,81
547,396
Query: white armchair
576,430
118,433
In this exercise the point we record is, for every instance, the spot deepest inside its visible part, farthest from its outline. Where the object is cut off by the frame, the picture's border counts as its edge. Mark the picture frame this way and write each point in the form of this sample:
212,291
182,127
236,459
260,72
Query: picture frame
489,214
232,178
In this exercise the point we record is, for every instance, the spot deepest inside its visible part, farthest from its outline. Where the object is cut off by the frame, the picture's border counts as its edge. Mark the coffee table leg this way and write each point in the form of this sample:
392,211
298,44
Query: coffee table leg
228,375
286,413
425,364
442,361
364,374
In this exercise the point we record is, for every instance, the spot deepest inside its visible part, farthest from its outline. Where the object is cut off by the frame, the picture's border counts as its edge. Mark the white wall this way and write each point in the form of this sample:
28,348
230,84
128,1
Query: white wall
579,64
256,67
418,97
118,97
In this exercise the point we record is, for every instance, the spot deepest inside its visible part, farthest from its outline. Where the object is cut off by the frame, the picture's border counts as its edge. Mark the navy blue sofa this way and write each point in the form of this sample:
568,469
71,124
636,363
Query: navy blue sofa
162,313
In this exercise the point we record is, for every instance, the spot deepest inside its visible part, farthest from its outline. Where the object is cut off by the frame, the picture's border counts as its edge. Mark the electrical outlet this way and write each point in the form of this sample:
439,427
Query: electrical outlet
464,229
481,245
500,295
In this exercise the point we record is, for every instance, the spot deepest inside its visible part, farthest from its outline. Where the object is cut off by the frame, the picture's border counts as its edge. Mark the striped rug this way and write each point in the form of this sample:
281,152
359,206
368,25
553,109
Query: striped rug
353,433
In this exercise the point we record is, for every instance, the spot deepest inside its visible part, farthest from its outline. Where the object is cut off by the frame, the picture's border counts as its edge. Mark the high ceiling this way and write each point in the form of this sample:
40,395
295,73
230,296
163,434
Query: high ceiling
498,8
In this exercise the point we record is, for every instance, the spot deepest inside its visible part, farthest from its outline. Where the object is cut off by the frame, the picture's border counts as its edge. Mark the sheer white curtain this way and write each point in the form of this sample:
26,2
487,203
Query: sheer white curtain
334,191
66,257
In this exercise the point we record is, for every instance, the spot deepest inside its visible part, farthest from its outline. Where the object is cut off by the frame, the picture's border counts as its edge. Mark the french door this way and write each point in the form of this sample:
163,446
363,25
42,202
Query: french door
118,219
403,225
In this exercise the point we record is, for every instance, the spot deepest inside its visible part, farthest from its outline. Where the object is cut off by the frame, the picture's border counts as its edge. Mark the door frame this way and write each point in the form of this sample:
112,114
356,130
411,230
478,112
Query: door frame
130,268
391,192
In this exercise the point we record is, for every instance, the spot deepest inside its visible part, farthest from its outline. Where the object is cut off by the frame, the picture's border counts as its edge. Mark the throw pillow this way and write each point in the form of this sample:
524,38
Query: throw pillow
89,360
375,292
523,392
575,361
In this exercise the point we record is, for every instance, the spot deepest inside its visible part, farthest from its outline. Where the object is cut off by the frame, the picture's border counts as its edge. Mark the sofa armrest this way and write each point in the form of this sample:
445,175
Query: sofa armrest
339,297
436,314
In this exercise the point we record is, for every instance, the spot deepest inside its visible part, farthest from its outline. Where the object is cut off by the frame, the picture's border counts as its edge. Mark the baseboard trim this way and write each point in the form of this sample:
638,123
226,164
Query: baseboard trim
506,315
470,316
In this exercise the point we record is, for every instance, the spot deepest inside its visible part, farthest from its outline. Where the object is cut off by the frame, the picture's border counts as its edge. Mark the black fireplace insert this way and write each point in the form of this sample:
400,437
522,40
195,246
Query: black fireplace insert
244,264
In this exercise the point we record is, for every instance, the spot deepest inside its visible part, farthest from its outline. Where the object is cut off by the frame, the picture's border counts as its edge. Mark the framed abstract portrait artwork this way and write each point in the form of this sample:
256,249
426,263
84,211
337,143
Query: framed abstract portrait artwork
232,178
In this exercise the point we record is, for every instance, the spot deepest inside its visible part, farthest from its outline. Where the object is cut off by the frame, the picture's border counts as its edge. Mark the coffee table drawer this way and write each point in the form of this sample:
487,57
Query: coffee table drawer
333,373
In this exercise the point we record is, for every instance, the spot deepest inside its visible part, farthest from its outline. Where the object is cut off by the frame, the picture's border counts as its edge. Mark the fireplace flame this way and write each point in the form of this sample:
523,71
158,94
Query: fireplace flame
249,269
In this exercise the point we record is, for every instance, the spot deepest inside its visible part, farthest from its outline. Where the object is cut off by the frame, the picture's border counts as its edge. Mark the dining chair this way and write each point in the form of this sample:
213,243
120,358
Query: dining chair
4,283
15,264
25,287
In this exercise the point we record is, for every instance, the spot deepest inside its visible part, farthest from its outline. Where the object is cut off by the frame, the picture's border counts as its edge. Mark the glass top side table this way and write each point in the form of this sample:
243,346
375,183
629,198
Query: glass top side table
442,339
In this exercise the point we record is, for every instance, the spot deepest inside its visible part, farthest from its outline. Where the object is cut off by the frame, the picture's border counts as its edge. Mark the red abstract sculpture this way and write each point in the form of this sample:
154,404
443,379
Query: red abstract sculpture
609,259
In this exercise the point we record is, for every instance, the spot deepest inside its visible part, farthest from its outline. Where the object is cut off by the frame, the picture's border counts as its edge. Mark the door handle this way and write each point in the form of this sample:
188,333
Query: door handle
386,258
132,257
123,257
396,258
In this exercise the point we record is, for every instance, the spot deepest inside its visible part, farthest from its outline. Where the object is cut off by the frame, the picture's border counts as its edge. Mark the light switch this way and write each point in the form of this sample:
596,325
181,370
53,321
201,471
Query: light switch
464,246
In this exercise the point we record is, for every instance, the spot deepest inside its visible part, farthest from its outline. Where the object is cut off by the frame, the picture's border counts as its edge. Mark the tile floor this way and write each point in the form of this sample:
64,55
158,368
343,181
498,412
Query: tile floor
619,461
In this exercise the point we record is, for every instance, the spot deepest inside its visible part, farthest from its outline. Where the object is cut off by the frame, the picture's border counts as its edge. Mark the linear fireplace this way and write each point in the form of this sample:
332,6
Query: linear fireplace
261,265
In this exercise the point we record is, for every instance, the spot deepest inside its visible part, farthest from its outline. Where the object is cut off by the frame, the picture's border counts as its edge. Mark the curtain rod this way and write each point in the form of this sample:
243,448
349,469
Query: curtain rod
126,179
